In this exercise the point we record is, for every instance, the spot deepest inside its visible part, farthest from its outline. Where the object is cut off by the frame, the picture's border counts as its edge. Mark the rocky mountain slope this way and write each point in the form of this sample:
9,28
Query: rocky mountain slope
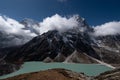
79,57
51,44
7,68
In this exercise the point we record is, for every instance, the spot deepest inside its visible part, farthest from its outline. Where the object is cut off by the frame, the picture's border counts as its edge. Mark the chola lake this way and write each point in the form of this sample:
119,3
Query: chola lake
88,69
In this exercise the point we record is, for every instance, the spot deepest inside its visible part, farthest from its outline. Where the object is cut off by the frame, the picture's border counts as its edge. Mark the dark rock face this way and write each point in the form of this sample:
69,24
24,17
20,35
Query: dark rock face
7,68
7,50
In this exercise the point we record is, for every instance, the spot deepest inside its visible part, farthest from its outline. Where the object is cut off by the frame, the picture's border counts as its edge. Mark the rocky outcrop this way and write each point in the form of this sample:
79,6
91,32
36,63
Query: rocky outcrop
60,58
77,57
109,75
47,60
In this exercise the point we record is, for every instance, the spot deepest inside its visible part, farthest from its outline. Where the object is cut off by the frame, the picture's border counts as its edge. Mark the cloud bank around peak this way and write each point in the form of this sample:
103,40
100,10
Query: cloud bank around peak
55,22
20,33
59,23
110,28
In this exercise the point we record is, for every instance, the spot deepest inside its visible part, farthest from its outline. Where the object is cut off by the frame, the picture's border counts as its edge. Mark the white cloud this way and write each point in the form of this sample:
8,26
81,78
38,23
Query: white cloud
110,28
13,32
11,26
56,22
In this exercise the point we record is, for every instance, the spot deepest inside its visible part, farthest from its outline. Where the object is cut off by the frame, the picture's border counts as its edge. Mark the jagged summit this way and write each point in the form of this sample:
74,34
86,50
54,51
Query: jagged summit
31,25
27,21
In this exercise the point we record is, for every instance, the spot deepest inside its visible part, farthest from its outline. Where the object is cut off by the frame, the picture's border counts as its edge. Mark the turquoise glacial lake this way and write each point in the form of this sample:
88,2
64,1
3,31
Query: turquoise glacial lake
88,69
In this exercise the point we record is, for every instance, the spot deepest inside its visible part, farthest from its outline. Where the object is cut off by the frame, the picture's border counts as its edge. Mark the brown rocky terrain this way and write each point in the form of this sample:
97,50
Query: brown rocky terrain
109,75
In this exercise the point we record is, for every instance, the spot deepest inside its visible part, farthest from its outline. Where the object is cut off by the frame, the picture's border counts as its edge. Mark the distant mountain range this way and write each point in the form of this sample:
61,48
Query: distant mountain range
76,45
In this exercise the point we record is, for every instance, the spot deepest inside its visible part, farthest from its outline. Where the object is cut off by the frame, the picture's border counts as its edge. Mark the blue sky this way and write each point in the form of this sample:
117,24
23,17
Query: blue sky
96,12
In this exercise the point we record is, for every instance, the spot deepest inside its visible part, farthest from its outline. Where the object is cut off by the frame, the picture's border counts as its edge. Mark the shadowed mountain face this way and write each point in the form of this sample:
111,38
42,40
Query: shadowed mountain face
6,68
52,44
